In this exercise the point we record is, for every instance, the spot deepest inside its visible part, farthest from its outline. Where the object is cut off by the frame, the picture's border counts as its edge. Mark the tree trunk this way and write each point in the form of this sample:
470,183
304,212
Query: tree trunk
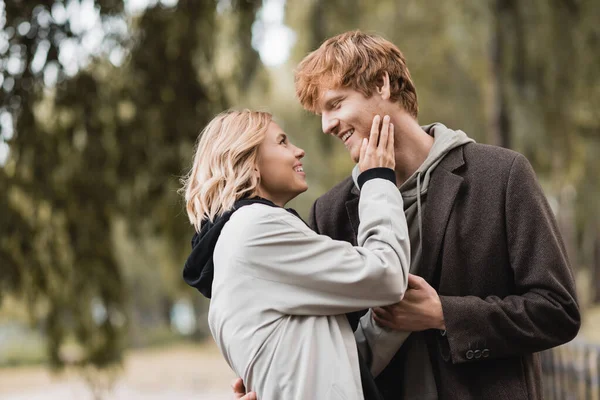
499,119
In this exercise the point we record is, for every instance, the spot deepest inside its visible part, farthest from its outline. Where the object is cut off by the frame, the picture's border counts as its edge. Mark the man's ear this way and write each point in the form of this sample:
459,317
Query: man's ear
383,86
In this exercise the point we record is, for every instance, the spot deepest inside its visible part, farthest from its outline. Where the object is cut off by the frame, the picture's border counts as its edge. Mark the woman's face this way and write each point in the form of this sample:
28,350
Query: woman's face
281,175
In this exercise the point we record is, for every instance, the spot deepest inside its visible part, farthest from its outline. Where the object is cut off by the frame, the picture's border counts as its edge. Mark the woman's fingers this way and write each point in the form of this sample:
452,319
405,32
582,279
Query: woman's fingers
379,150
383,136
390,147
374,136
363,149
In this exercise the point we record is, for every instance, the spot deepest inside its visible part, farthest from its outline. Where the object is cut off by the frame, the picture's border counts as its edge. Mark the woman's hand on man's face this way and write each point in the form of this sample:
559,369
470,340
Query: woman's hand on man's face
378,150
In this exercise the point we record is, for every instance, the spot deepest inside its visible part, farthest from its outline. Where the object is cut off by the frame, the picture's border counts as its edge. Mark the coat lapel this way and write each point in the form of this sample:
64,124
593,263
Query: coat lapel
443,189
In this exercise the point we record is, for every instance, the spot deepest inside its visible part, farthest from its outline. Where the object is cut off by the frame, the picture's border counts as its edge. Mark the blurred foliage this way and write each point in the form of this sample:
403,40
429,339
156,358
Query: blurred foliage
92,232
94,163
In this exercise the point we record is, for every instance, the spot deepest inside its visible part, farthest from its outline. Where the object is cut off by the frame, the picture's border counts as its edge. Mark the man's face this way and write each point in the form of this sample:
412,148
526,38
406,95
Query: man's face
348,115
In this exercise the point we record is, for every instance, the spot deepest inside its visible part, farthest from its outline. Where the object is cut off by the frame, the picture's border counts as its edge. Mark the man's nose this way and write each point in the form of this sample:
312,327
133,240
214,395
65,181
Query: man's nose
328,124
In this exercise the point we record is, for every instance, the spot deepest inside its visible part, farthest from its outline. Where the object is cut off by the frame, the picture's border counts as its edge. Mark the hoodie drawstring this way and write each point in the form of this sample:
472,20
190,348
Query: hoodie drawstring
419,211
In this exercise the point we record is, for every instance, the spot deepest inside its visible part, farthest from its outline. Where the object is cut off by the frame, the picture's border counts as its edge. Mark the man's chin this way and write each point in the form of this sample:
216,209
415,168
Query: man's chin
355,155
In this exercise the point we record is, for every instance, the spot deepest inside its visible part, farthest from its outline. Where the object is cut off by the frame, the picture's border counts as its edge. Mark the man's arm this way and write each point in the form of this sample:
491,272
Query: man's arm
542,313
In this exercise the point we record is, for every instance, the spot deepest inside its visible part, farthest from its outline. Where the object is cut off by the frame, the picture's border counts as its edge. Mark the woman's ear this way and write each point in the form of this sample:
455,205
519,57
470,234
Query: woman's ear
383,86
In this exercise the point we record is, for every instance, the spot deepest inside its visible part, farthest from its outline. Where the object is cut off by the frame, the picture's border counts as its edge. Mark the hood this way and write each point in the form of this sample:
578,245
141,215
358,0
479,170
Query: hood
198,270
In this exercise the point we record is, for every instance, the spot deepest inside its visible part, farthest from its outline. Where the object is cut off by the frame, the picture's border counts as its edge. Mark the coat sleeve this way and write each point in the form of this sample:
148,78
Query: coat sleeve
543,312
312,274
377,344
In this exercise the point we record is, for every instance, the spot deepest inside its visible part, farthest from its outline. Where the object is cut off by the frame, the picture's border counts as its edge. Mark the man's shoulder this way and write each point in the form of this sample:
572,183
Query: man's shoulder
484,161
489,154
486,164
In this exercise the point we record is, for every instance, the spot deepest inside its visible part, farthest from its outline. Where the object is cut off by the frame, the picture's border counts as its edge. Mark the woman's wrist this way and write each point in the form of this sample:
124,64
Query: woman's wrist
373,173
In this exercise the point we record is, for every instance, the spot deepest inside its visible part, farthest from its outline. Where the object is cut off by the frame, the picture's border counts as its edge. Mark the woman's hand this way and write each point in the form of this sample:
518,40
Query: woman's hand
239,391
378,150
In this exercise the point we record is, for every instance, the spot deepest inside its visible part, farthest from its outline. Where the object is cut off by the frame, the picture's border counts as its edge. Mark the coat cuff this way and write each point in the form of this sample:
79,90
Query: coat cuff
372,173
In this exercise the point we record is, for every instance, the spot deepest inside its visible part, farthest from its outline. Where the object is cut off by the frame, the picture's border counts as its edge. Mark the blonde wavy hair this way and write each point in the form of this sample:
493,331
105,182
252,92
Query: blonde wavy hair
355,60
224,161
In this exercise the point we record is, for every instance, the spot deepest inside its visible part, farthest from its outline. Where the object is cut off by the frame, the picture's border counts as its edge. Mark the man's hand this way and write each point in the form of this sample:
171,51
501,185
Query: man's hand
420,309
239,391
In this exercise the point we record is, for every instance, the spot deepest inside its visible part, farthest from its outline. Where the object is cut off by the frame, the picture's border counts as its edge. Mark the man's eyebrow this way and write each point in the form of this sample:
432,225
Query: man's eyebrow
331,100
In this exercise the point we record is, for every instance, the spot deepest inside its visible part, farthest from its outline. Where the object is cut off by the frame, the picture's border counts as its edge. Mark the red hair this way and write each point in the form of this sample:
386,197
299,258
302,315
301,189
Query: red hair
355,60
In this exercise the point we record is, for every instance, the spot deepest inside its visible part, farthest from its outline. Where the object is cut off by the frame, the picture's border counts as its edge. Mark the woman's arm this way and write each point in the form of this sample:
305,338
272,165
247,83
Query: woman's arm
311,274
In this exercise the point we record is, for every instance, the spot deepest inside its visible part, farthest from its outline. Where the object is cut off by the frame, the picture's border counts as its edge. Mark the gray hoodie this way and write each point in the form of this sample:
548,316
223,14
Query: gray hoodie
418,382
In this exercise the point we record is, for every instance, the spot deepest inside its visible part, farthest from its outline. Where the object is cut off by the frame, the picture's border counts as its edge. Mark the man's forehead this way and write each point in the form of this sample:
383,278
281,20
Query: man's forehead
329,93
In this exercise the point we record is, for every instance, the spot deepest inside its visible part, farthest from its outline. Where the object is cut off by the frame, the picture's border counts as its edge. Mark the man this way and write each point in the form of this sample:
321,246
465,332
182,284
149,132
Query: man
492,284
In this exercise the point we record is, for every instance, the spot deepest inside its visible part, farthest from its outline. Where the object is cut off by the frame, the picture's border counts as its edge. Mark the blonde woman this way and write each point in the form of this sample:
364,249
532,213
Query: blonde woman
278,290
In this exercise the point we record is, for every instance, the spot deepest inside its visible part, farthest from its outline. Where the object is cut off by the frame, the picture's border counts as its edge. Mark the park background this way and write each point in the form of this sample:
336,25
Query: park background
101,102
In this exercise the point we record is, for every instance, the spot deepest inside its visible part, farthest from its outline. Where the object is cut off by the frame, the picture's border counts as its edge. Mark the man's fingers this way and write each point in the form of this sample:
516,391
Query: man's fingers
382,313
383,322
415,282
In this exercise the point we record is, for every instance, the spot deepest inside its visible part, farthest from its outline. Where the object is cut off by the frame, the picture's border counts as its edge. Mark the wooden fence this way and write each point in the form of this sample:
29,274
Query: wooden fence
572,372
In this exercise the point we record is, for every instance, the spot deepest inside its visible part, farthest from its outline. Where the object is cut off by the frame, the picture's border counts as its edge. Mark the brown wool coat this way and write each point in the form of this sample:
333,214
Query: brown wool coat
492,250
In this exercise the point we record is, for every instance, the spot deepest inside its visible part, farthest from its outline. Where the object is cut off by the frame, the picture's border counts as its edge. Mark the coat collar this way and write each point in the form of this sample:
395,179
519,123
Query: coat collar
444,187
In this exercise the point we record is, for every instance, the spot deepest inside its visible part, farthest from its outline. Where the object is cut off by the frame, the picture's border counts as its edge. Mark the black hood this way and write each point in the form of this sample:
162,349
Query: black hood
198,271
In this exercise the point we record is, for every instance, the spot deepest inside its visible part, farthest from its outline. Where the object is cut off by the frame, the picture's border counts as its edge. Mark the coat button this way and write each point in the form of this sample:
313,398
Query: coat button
469,354
477,353
485,353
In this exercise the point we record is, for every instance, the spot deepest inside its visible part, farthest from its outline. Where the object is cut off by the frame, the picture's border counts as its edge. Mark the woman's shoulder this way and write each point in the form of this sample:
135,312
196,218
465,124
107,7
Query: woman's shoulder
256,219
257,214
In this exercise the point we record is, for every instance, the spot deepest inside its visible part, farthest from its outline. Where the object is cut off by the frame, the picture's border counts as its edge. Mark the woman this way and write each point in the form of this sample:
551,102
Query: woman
278,290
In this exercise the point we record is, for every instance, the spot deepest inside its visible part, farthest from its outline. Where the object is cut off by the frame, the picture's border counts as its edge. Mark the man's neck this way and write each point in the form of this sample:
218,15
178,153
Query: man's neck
412,145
